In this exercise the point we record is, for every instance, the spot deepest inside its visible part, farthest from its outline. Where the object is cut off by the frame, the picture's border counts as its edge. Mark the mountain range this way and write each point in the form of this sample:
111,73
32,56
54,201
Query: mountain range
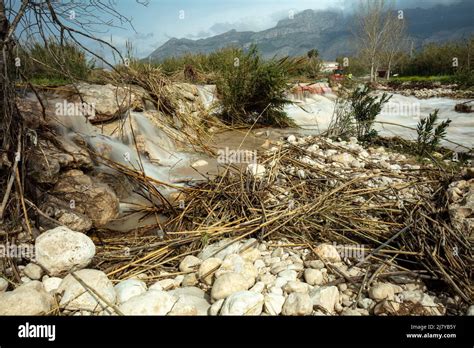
329,31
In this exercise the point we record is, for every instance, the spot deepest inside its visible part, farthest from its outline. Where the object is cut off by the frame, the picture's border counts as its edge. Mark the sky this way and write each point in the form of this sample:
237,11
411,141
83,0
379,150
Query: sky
159,20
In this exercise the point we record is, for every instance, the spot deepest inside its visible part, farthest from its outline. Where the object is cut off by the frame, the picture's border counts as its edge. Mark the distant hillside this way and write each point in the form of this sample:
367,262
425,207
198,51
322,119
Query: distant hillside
330,32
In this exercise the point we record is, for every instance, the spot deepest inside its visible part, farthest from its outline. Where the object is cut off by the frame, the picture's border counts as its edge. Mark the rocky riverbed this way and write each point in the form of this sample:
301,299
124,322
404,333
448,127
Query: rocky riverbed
246,276
243,278
98,245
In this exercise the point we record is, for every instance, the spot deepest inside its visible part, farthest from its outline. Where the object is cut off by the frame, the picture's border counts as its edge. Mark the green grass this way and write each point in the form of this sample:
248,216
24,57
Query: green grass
49,81
442,79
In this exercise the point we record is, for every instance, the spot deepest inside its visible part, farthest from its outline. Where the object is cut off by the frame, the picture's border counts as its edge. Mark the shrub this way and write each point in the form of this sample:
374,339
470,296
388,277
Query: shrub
365,109
54,61
252,89
428,136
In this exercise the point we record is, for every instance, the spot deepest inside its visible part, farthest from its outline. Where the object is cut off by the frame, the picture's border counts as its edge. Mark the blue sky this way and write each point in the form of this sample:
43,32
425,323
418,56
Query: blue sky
160,19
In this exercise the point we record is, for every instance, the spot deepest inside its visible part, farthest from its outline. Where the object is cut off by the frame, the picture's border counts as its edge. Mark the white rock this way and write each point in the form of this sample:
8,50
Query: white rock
190,280
276,290
381,291
350,312
251,254
214,250
51,284
227,284
470,311
344,158
209,265
296,267
243,303
190,305
77,297
152,302
327,252
178,280
267,279
216,307
27,299
291,138
273,303
313,276
33,271
189,263
280,282
295,286
366,303
235,263
163,285
316,264
297,304
258,287
3,284
25,280
61,250
257,170
325,297
342,287
126,289
259,264
189,291
289,275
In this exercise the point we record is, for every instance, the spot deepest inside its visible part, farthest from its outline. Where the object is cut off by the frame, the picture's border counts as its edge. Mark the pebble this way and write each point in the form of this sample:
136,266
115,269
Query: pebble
297,304
216,307
273,303
189,263
28,299
190,280
296,286
126,289
243,303
207,266
313,276
227,284
381,291
152,302
62,250
75,297
33,271
327,252
325,297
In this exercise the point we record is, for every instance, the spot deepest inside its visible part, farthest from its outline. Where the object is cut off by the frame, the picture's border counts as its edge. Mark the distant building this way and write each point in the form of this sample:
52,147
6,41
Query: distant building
329,66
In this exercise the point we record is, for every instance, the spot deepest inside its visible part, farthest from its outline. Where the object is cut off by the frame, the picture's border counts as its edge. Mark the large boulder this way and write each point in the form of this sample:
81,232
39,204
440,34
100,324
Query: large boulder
60,211
61,250
28,299
90,197
110,101
78,296
47,158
